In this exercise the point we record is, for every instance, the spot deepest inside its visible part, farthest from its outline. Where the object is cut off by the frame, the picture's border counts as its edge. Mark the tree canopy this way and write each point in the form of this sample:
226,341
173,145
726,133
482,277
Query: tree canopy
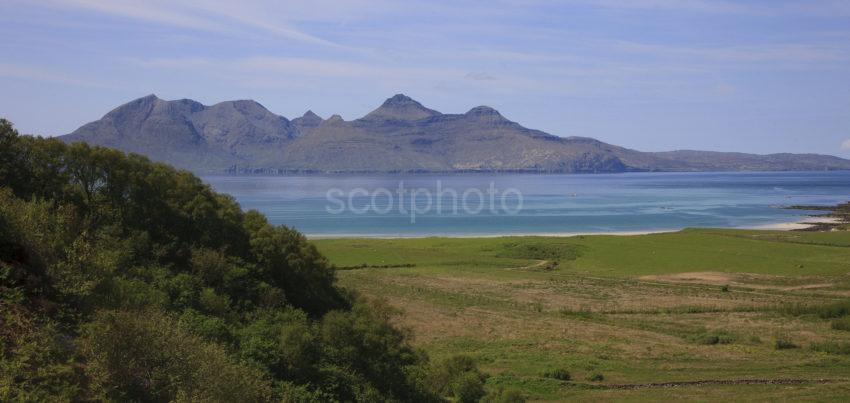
125,279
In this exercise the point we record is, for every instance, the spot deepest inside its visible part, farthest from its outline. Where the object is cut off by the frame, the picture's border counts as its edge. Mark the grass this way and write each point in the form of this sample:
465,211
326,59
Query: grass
688,306
745,251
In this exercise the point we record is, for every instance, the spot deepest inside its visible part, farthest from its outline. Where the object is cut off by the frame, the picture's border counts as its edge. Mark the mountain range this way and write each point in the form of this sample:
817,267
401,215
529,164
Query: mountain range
399,136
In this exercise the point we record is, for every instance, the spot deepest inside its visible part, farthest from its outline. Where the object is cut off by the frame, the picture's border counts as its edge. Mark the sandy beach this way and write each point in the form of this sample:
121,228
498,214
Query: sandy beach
796,225
544,234
785,226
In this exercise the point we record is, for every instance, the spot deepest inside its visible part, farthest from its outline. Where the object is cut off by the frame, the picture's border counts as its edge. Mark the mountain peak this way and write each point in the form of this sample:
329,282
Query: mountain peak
486,115
483,110
400,107
400,99
311,115
306,123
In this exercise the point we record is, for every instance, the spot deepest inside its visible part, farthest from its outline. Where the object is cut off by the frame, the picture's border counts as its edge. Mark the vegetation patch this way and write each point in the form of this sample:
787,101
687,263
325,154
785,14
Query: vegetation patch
830,310
712,338
127,280
540,250
377,266
832,347
841,324
784,343
559,374
600,314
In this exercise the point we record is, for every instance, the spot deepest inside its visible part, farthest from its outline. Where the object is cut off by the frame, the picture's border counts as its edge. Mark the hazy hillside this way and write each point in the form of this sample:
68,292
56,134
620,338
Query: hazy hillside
399,136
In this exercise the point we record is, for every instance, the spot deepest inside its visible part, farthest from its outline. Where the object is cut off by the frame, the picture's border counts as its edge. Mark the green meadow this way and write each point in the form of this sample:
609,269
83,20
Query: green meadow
700,314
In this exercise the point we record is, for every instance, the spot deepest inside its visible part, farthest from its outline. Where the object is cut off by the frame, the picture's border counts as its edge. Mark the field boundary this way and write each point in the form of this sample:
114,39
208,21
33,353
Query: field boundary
712,382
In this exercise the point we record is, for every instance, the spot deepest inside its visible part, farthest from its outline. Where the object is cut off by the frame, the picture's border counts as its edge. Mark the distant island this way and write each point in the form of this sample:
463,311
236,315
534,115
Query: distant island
400,136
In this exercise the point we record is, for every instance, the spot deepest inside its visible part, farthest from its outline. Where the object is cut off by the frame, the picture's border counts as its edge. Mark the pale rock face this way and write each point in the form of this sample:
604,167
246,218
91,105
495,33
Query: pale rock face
401,135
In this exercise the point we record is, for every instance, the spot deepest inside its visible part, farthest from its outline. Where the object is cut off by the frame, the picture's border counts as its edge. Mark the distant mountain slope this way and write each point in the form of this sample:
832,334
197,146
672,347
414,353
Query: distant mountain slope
399,136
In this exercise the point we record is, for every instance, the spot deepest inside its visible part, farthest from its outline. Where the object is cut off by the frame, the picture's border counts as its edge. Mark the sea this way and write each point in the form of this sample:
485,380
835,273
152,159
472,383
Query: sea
525,204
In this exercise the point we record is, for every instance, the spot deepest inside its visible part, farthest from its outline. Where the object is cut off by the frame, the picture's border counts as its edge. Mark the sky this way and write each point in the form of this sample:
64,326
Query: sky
758,76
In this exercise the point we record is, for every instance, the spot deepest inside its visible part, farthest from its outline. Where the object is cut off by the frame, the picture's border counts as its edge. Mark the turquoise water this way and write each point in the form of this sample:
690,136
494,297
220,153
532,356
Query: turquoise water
368,205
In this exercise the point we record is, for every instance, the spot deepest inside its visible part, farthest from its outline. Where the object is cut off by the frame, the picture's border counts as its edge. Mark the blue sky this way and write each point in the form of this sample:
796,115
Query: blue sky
751,76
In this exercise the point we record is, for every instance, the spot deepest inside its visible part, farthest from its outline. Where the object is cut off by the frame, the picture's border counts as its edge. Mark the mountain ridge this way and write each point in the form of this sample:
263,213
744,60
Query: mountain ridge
401,135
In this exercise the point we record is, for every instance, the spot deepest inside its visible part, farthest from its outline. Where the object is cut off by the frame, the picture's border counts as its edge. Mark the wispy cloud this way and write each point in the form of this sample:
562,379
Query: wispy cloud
845,146
223,17
768,53
820,8
703,6
25,72
285,72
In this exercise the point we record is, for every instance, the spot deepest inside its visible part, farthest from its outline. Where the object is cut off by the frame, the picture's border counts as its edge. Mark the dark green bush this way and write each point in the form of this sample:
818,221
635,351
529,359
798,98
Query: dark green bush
468,388
596,378
559,374
455,376
783,343
151,357
712,338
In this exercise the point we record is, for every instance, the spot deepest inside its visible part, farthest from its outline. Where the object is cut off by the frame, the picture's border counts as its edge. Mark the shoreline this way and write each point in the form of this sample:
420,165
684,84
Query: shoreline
503,235
805,223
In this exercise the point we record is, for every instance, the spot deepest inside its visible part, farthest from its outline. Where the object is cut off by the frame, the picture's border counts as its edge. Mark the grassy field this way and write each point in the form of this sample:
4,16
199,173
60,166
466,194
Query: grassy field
748,314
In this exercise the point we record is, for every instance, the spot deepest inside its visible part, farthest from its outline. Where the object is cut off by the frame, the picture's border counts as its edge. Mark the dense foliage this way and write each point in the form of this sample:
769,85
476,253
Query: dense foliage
123,279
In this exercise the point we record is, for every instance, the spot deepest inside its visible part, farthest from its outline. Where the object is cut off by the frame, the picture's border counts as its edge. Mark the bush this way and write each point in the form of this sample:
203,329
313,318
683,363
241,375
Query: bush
504,396
151,357
468,388
559,374
835,310
596,378
832,347
457,374
783,343
841,324
714,338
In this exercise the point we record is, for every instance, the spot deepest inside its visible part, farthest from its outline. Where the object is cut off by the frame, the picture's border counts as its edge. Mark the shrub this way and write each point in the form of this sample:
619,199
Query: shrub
832,347
782,343
504,396
455,375
596,378
468,388
559,374
841,324
152,357
834,310
714,338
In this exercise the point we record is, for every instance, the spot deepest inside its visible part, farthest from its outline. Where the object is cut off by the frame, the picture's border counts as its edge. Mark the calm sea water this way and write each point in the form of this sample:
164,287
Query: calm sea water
535,204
